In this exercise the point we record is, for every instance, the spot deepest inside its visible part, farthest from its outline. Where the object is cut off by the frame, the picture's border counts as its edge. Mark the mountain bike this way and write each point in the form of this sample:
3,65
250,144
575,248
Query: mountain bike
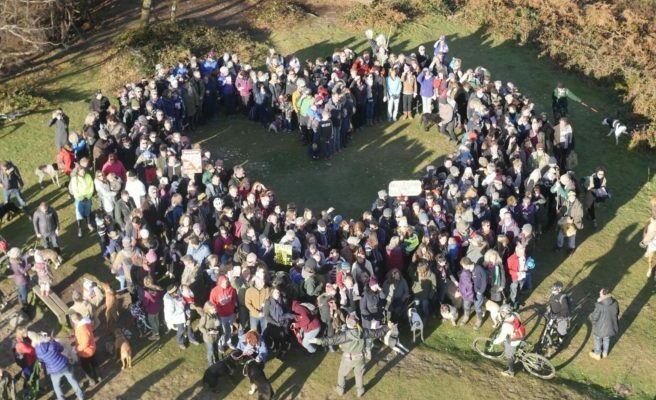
533,363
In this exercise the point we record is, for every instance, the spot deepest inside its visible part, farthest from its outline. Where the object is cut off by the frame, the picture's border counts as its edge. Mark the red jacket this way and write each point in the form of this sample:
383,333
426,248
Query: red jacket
303,318
220,244
225,300
65,160
394,258
117,168
513,267
27,351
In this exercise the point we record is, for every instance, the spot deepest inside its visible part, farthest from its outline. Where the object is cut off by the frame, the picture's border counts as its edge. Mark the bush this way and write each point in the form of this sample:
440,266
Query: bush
644,138
382,15
22,95
611,41
136,52
266,13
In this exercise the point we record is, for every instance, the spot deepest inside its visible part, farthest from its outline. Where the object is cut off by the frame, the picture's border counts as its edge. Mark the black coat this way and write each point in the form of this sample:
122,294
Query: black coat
605,318
45,223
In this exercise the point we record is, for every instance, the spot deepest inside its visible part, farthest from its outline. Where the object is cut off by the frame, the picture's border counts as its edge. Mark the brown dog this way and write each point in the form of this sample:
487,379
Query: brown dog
123,349
111,306
49,255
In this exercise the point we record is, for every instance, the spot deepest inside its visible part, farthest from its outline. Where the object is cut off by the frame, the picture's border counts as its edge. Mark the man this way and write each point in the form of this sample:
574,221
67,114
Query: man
559,307
352,342
570,221
605,323
46,226
11,183
49,352
517,269
511,335
559,101
123,210
224,298
81,188
135,188
371,309
473,282
100,104
60,122
85,346
255,298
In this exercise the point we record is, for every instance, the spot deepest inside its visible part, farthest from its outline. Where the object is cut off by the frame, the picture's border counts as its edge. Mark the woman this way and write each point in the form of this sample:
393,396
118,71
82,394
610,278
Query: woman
20,272
277,317
307,324
24,354
106,195
224,298
252,346
209,327
595,192
424,288
393,88
397,293
244,87
409,91
85,346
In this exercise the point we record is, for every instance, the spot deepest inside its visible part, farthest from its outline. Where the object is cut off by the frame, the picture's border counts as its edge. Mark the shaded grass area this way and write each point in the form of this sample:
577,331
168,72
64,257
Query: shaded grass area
607,257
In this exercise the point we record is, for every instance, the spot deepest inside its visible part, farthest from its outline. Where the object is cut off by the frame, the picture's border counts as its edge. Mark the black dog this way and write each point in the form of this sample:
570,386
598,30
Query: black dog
259,382
9,210
219,369
429,120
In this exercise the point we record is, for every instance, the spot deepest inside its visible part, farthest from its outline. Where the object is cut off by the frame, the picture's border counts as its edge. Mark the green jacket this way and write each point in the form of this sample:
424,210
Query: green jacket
559,94
81,188
352,341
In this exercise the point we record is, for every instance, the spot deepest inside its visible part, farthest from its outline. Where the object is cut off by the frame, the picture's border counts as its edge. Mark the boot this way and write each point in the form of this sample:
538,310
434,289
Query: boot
465,319
79,228
479,322
89,224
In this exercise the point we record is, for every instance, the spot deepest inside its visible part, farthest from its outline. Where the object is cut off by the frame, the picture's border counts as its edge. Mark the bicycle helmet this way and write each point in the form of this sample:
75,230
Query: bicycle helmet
557,287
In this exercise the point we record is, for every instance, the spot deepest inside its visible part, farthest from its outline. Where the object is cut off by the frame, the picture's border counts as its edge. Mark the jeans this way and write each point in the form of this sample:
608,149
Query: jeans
68,374
601,345
121,280
337,142
426,105
425,308
153,321
50,241
226,328
22,293
258,321
8,193
407,103
478,304
181,331
210,348
509,353
307,336
571,240
392,108
370,110
82,209
514,290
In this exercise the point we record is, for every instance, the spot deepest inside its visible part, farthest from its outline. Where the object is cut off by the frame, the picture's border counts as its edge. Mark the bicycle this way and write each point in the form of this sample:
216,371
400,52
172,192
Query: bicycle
533,363
549,341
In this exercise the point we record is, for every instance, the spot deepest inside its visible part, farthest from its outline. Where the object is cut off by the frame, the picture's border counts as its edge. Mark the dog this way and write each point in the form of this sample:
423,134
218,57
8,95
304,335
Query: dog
617,128
416,324
49,169
111,306
9,210
391,340
123,349
429,120
493,309
48,255
449,313
259,382
276,125
219,369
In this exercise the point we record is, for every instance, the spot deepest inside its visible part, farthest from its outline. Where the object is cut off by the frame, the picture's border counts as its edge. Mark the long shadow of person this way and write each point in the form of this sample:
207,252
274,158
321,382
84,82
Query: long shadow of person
137,390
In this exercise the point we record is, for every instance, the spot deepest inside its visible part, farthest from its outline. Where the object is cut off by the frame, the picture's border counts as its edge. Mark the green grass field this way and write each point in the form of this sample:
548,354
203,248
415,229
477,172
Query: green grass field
608,256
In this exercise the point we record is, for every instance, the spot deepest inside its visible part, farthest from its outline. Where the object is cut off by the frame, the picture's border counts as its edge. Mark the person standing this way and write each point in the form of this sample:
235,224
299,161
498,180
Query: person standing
559,307
605,323
511,335
174,315
596,192
85,346
224,298
393,87
559,101
81,188
60,122
255,297
46,226
100,104
208,326
570,221
20,268
11,183
49,352
425,80
352,342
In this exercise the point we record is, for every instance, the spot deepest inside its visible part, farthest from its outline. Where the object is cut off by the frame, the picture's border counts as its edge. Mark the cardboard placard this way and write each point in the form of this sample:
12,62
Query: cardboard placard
404,188
192,161
283,254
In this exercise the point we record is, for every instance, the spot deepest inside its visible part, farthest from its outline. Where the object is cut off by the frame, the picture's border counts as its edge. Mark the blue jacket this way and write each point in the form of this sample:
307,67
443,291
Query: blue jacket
50,354
260,353
425,85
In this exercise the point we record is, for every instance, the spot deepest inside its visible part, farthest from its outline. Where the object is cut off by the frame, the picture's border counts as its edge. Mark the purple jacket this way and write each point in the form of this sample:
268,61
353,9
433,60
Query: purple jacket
19,269
466,285
152,301
425,85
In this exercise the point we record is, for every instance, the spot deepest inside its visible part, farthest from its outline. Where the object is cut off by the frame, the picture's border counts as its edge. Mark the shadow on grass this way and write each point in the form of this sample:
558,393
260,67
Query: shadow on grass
138,389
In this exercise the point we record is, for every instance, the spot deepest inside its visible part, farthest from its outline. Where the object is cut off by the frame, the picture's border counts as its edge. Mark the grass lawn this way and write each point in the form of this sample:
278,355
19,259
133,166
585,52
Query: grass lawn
608,256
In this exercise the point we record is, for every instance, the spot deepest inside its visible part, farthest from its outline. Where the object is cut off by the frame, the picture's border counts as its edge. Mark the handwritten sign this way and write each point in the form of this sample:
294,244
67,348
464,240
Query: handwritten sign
192,161
404,188
282,254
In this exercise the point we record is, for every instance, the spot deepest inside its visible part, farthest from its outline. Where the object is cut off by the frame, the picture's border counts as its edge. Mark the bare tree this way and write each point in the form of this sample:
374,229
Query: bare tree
145,12
174,9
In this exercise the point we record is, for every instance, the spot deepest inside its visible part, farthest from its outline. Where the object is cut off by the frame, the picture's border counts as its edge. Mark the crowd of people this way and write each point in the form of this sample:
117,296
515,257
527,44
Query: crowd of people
199,249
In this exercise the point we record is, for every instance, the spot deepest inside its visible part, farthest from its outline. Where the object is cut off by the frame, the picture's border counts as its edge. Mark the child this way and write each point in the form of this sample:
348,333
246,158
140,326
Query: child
286,109
43,273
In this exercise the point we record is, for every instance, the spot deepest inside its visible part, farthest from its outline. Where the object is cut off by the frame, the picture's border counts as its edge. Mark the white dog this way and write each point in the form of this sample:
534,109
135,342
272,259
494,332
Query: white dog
416,324
449,313
493,309
617,128
50,170
392,341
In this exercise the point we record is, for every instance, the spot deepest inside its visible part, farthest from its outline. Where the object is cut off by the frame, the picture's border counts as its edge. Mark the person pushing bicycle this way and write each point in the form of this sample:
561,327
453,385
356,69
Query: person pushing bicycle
559,309
511,335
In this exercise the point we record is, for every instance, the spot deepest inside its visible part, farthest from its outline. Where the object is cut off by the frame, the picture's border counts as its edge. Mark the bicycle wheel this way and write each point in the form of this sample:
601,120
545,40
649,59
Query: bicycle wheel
485,348
538,365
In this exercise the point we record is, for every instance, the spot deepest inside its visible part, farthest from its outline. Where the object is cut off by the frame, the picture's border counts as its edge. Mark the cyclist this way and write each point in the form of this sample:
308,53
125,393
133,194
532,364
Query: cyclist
559,309
511,335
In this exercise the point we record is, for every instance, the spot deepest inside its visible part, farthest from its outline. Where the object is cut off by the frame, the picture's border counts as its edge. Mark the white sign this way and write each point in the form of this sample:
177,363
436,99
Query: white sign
192,161
404,188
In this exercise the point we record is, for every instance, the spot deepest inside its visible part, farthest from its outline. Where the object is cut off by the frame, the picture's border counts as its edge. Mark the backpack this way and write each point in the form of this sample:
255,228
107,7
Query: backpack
519,331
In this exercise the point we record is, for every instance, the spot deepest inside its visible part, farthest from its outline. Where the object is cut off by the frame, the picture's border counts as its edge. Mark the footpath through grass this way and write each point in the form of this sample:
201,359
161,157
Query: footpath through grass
608,256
